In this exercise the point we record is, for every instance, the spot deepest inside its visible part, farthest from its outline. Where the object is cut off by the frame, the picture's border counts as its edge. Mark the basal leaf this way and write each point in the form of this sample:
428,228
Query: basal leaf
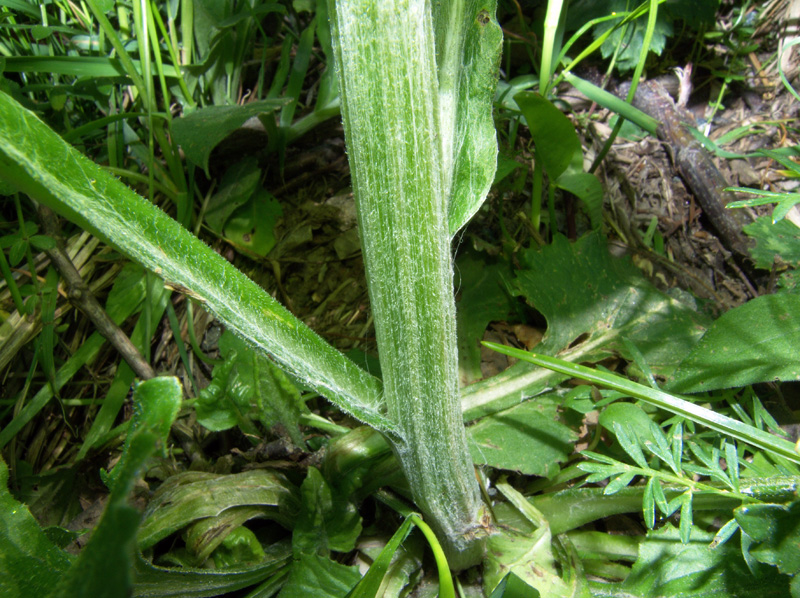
187,582
189,496
582,290
240,547
755,342
326,522
205,535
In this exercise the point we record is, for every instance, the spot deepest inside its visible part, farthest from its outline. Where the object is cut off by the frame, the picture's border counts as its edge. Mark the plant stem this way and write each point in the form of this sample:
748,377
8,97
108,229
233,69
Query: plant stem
386,60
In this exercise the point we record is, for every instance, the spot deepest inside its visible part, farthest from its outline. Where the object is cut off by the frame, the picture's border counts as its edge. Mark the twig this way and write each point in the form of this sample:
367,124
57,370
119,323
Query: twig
81,297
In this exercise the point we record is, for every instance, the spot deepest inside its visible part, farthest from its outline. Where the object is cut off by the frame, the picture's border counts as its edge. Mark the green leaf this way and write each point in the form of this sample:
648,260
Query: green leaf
206,535
77,66
240,547
582,290
373,578
668,567
657,398
557,143
252,226
631,426
483,299
156,405
30,564
649,502
153,581
249,387
618,483
776,244
522,545
775,531
522,439
201,131
216,407
46,341
630,442
319,576
42,242
625,43
685,529
586,294
513,586
38,161
326,522
725,532
612,102
468,44
104,567
189,496
236,187
755,342
586,187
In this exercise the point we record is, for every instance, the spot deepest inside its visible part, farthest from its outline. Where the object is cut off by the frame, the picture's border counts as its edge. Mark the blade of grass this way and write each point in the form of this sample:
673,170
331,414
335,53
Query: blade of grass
78,66
613,103
637,73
